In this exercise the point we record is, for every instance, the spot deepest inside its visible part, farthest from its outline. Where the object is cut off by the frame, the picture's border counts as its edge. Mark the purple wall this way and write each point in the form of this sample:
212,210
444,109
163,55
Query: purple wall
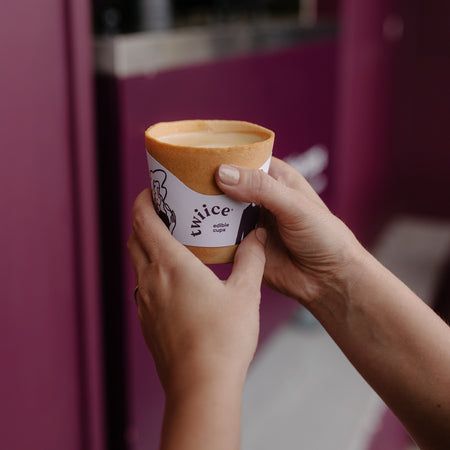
49,351
421,140
363,118
393,139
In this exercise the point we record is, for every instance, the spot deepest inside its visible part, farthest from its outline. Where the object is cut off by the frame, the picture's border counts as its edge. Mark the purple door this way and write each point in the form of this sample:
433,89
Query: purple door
392,133
50,391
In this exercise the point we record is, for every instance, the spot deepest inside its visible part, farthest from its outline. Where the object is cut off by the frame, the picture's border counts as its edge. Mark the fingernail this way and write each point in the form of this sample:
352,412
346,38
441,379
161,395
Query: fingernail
261,235
228,175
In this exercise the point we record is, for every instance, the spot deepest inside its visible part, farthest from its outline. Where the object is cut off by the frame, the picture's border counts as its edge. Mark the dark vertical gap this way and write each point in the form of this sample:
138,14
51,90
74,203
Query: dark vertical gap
73,143
111,267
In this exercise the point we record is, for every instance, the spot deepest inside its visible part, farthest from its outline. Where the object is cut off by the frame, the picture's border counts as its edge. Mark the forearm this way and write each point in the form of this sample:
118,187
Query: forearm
398,344
205,416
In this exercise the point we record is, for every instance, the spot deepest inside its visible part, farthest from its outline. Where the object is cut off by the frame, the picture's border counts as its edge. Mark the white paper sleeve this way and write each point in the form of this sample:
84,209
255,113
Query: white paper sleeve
197,219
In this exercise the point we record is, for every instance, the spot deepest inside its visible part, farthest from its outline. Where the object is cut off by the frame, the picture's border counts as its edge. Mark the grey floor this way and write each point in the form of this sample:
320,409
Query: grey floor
301,392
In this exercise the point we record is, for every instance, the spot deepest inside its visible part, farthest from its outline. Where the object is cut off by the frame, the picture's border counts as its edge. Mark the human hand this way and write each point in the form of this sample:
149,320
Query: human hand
310,252
197,327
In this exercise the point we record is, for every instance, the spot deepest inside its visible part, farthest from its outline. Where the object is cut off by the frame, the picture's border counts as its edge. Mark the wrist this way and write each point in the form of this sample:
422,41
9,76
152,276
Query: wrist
202,410
196,376
223,391
338,294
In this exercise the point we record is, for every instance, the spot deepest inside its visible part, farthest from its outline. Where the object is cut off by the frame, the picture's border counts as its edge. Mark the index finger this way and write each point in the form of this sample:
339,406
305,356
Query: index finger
150,230
285,173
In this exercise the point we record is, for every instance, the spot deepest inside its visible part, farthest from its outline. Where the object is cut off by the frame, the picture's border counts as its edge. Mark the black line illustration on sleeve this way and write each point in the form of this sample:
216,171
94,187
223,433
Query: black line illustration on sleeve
159,193
248,221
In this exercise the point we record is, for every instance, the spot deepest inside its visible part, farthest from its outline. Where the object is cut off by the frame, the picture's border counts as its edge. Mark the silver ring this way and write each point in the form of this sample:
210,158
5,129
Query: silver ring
136,289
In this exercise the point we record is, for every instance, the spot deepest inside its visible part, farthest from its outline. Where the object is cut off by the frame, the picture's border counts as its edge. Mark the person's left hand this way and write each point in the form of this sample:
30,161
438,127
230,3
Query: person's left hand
197,326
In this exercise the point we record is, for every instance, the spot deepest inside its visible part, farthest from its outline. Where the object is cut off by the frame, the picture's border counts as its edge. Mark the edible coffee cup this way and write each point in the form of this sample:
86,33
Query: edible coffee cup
183,157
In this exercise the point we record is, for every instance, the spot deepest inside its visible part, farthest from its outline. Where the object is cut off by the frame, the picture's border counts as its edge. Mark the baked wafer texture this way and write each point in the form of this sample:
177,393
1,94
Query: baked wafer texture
196,166
214,255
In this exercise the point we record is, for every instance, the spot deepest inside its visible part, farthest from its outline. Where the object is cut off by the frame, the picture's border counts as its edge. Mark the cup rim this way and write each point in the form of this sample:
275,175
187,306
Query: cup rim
181,126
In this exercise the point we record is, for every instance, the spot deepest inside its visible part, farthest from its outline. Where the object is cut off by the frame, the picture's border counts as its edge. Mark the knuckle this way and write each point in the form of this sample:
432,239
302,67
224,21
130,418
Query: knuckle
139,220
171,270
254,254
260,183
296,197
162,272
136,206
138,213
145,296
291,178
149,285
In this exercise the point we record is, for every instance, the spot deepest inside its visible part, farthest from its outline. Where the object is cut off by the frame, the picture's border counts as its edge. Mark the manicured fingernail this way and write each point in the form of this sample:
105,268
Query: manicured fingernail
228,175
261,235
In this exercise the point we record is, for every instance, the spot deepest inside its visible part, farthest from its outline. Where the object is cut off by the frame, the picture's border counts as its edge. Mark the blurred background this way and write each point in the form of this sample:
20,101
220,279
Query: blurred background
358,94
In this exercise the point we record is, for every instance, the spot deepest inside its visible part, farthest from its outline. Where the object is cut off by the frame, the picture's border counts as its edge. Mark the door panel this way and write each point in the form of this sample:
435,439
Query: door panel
42,322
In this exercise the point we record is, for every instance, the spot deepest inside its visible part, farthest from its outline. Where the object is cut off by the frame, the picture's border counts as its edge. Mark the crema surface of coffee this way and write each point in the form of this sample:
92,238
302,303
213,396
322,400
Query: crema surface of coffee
211,139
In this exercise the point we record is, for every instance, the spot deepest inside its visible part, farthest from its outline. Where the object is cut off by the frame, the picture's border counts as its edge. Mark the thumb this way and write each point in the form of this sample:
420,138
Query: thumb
249,261
253,185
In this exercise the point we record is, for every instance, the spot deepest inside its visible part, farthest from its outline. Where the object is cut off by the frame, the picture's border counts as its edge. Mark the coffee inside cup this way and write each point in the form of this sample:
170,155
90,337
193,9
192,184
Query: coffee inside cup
210,138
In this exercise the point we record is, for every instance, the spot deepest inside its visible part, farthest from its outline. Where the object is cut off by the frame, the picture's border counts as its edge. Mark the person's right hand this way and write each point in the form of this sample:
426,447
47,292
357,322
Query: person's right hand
310,253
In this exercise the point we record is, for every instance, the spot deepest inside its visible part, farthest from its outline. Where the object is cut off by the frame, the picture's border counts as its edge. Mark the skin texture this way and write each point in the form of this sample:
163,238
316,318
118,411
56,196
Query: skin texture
202,332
